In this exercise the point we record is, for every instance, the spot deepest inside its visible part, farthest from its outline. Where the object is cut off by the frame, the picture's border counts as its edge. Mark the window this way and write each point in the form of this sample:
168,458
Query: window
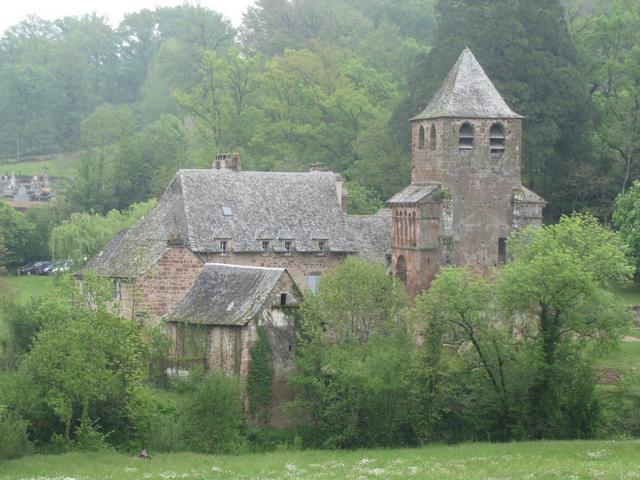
496,138
283,299
227,212
432,138
223,247
117,290
502,250
421,137
321,247
466,137
265,247
312,282
287,248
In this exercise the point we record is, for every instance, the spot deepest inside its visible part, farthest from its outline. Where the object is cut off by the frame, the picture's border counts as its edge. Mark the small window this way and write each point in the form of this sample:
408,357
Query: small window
502,250
283,299
466,137
321,247
265,247
496,138
223,247
287,248
312,282
117,290
421,138
227,212
432,138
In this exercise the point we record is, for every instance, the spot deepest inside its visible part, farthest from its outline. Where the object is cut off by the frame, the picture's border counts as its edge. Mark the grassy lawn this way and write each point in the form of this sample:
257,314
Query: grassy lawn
542,460
61,165
28,286
627,294
626,356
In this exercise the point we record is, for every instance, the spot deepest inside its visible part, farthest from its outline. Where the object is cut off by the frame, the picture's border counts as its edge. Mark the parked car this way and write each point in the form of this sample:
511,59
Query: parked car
38,267
26,269
59,266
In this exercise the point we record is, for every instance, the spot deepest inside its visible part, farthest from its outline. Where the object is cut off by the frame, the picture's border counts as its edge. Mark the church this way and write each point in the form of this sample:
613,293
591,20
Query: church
226,251
466,194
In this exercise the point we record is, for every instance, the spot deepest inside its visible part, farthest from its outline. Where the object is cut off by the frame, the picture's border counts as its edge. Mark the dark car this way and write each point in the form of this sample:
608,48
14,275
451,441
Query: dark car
26,269
39,267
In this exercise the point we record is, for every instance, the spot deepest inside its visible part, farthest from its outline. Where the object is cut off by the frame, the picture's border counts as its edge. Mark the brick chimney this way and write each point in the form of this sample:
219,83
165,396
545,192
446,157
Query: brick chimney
227,161
318,167
341,192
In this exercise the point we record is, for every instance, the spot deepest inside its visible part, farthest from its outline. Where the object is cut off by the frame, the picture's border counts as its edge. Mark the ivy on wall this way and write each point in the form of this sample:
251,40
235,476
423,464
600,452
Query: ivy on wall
260,378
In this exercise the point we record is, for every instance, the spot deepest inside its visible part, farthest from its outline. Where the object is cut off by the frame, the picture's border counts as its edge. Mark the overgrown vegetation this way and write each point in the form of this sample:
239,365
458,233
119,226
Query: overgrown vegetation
260,377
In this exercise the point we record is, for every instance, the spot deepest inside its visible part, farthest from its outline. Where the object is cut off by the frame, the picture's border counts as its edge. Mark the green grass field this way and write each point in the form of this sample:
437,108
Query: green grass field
61,165
542,460
28,286
627,294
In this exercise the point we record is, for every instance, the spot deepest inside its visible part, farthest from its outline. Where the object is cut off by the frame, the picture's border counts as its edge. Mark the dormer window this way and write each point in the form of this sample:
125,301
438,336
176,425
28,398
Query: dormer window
421,138
265,247
287,248
321,247
465,141
223,247
496,138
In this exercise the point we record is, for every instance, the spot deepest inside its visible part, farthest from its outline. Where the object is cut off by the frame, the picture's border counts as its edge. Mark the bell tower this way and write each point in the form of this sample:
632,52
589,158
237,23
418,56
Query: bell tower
465,174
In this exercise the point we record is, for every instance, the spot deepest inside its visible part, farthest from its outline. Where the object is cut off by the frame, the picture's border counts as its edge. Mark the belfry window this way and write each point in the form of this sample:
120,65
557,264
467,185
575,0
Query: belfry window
421,138
432,138
496,138
465,141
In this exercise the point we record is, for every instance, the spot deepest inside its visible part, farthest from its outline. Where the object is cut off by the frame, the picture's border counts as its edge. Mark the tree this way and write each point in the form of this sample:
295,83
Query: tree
526,50
626,219
609,41
352,356
81,236
17,233
558,282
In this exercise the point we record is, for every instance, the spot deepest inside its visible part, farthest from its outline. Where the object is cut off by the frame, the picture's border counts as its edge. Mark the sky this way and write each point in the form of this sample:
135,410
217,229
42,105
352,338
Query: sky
13,11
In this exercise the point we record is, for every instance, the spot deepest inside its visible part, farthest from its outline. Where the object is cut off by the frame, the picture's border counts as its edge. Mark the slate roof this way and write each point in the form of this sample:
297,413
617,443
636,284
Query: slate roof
133,252
527,196
298,207
414,193
468,93
226,295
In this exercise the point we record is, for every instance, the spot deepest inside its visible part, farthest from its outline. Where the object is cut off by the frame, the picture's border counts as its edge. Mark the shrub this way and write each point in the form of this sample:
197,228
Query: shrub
13,435
215,417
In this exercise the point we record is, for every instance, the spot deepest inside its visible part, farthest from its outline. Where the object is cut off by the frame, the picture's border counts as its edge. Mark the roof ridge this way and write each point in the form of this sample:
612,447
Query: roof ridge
246,267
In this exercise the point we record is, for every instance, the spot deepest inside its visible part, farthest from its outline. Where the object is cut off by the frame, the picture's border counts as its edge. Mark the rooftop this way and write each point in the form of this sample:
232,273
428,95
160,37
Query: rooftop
467,93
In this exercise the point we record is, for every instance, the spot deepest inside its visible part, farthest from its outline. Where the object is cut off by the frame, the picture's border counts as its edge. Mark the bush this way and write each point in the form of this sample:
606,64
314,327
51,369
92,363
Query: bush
215,417
13,435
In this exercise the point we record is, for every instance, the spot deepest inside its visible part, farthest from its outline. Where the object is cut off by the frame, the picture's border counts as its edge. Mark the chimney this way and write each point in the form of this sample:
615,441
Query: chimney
227,161
341,192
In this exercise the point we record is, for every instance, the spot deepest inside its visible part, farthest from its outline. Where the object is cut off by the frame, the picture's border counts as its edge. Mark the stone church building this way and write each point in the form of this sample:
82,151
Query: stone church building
466,195
288,229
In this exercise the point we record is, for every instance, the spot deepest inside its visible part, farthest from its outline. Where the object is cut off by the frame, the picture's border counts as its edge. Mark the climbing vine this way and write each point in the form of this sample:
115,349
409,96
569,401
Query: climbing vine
260,378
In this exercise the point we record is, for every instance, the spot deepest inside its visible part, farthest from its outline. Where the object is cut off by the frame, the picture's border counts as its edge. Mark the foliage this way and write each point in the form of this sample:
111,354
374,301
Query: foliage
83,234
63,374
214,416
626,219
559,280
260,377
16,233
352,357
362,200
13,435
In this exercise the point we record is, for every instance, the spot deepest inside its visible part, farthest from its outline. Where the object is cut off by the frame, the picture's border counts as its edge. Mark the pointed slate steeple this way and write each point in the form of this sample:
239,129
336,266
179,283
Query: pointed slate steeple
467,93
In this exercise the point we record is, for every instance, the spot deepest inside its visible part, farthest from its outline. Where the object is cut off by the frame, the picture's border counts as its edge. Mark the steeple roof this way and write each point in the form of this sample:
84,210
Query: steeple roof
467,93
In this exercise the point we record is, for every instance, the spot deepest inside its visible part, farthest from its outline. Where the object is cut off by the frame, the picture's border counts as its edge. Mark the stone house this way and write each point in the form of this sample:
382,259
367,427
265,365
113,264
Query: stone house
466,195
217,320
224,215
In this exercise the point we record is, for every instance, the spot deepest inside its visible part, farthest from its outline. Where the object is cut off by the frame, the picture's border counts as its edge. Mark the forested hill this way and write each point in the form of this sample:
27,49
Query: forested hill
331,81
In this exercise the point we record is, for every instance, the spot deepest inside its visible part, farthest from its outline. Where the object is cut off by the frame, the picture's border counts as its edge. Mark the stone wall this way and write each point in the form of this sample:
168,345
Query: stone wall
151,296
299,265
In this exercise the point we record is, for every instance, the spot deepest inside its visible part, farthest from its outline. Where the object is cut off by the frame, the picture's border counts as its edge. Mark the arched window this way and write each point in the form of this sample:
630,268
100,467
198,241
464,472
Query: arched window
466,137
401,269
421,137
432,138
496,138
